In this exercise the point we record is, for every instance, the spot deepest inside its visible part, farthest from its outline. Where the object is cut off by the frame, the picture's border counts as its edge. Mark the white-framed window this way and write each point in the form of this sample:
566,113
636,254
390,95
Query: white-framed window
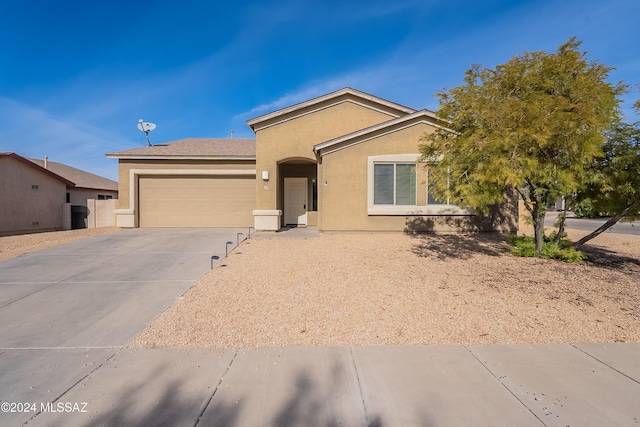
395,183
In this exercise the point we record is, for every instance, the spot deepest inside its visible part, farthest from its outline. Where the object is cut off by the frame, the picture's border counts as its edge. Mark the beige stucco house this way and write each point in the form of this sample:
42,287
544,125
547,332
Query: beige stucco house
345,161
35,194
86,185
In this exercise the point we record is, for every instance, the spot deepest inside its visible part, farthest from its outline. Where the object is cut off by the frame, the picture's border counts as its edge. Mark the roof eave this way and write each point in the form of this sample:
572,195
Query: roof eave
253,123
425,116
28,162
177,156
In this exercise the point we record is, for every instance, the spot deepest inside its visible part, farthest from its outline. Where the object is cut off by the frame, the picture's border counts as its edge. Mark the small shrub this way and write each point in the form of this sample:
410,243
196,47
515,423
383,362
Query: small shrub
525,246
585,209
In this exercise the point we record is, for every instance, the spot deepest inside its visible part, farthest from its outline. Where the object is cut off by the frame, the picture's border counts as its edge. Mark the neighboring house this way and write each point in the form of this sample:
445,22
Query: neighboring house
345,161
32,196
86,185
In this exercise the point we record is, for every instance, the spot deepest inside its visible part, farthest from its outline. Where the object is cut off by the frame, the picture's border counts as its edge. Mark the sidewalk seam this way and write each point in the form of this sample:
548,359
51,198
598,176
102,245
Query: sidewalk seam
355,368
503,384
73,385
206,404
604,363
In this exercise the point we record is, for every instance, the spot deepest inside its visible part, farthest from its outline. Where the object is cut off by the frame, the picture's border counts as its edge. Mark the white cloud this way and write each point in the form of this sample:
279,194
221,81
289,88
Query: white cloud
33,132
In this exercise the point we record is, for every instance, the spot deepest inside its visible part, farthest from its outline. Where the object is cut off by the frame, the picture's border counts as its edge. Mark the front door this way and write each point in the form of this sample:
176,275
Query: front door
295,201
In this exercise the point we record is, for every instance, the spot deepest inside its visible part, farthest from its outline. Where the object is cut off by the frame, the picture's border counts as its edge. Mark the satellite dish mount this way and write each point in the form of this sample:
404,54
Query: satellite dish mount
146,127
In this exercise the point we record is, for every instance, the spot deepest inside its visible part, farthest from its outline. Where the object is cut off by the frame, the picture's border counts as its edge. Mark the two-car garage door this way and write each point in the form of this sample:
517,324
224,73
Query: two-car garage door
196,201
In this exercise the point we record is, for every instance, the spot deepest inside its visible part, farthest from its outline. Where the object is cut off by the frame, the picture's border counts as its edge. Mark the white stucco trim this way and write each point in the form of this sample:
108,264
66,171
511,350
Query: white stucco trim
135,173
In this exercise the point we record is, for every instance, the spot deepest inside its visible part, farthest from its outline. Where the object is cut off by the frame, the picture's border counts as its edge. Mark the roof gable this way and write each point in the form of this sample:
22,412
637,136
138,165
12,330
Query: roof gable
328,100
31,164
363,135
81,178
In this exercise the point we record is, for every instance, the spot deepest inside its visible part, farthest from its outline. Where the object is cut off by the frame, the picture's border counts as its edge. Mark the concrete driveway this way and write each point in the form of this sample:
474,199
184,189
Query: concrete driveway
66,310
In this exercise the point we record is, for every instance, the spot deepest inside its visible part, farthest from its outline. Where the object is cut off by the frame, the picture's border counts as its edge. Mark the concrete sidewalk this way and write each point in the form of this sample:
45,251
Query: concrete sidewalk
502,385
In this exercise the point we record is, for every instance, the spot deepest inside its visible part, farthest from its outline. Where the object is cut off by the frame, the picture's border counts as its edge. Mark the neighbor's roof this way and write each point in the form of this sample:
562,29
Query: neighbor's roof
324,101
194,148
29,163
82,179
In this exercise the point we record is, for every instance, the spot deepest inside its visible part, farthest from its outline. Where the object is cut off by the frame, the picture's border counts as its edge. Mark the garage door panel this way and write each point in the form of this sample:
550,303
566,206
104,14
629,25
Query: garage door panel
212,201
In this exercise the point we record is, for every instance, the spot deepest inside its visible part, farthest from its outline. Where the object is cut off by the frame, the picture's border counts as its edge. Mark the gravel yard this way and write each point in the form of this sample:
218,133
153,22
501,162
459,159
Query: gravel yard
383,289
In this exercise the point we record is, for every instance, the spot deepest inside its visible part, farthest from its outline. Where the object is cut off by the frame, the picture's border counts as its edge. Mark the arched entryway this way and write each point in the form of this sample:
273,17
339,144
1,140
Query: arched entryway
298,192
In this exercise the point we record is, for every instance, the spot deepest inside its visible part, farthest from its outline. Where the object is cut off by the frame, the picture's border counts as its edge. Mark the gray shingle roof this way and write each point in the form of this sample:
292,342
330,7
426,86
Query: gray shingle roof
29,163
81,178
194,147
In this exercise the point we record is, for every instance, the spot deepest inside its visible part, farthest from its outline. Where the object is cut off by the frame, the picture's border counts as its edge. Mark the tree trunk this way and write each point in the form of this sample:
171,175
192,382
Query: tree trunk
563,217
538,227
604,227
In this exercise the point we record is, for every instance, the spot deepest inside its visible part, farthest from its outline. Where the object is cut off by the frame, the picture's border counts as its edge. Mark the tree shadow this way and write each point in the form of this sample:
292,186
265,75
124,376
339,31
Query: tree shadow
305,405
502,218
458,246
310,403
170,409
604,258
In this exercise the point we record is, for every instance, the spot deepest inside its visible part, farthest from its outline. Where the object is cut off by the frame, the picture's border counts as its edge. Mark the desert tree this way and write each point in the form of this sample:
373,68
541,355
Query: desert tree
613,184
533,124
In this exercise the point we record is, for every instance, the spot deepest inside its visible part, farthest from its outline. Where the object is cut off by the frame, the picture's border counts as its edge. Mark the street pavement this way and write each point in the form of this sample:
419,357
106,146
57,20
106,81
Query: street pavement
67,313
586,224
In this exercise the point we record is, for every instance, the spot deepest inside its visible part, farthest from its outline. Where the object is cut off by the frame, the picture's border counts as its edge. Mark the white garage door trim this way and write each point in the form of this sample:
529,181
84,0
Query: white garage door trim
126,217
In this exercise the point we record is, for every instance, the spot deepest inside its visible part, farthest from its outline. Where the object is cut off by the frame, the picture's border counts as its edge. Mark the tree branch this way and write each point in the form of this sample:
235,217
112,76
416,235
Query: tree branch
604,227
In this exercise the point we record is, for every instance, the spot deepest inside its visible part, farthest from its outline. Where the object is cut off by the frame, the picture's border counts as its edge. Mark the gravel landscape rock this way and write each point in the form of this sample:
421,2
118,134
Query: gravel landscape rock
395,289
12,246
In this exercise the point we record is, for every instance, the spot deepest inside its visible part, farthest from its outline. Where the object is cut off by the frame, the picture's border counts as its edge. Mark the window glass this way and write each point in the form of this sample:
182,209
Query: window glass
430,199
405,184
383,184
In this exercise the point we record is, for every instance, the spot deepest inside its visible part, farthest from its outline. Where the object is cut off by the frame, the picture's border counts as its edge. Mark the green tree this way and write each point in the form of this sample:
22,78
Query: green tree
613,186
532,124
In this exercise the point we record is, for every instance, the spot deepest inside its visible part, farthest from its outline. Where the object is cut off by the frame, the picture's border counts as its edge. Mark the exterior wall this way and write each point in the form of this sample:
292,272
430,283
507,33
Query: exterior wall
24,209
101,213
128,170
344,195
295,138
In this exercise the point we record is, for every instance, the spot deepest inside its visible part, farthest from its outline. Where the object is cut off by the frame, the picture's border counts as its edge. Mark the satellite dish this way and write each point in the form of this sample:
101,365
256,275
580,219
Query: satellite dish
146,127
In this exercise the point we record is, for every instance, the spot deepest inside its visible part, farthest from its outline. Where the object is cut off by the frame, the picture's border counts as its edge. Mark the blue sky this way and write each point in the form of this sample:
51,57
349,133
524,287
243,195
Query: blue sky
75,77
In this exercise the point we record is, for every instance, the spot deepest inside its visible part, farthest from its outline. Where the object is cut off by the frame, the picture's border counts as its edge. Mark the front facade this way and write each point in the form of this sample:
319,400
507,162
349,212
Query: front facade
346,161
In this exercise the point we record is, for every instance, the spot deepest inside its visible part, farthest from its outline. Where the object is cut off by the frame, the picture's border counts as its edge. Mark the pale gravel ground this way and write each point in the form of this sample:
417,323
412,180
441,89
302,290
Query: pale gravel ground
12,246
394,289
